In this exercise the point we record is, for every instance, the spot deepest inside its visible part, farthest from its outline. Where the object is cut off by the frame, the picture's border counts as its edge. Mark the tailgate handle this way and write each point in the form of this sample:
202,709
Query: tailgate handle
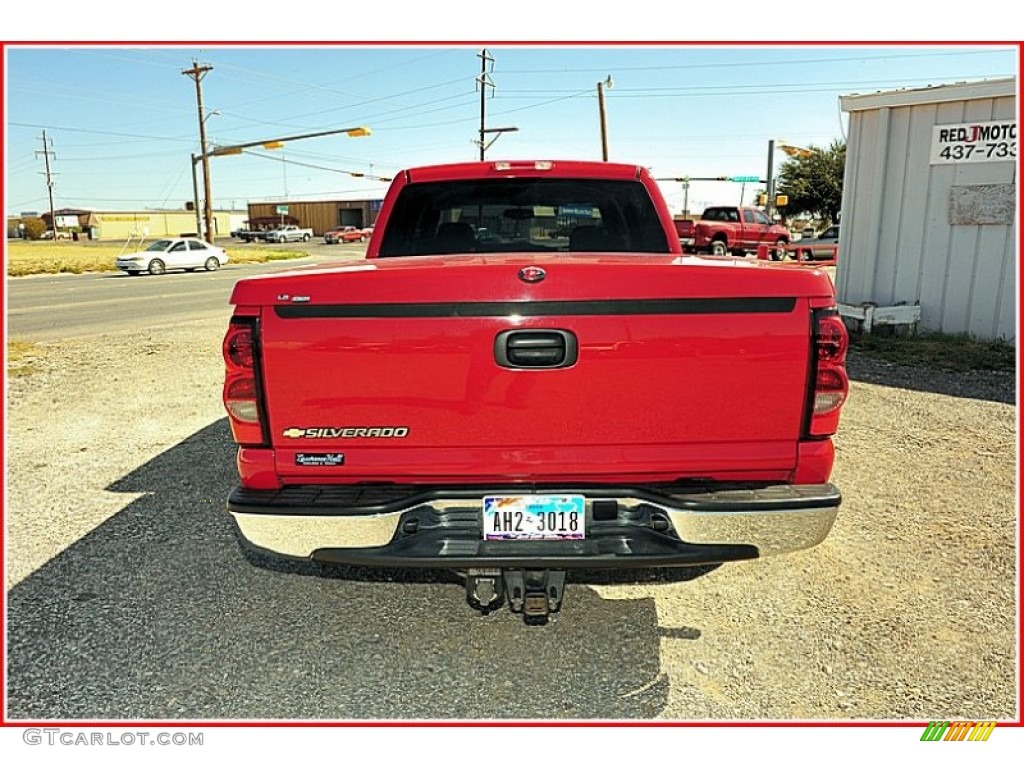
536,348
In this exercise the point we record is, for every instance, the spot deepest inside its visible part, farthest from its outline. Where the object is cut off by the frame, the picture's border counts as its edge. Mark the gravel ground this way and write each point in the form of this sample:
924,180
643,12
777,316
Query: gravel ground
128,596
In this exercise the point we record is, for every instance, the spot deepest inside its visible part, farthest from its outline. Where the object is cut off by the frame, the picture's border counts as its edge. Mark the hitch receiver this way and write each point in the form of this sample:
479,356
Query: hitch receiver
535,594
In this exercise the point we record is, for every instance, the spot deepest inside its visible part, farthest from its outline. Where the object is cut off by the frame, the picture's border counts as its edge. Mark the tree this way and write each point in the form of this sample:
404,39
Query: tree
814,182
34,228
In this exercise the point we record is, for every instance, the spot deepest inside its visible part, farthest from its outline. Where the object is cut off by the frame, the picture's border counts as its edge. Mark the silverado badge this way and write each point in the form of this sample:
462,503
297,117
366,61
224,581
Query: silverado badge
344,433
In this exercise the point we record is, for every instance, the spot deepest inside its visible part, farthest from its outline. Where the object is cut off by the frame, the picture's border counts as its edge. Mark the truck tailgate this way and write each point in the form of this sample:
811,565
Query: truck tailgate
692,370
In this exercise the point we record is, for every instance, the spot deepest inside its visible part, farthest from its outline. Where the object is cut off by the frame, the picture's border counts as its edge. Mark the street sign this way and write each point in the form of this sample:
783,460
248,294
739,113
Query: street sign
282,209
746,178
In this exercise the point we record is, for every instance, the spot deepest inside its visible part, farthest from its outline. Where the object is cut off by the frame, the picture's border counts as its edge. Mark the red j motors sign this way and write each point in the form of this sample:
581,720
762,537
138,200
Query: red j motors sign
990,142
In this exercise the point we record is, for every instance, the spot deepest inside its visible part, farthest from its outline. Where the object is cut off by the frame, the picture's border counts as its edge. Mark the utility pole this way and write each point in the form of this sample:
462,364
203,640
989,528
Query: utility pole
195,197
770,185
46,152
606,83
484,82
197,73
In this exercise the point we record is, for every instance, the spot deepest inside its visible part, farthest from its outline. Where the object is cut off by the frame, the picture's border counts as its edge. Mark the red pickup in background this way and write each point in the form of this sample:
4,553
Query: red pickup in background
722,230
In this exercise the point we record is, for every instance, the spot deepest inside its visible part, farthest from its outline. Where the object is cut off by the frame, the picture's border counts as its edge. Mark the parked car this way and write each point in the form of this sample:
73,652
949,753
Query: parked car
287,234
188,253
347,234
824,246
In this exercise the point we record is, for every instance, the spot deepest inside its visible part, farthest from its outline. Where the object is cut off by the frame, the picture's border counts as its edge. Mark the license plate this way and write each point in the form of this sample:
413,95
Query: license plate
534,517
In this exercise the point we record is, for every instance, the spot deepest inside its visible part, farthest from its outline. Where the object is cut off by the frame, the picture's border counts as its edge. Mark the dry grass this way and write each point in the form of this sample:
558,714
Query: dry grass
951,352
20,358
37,258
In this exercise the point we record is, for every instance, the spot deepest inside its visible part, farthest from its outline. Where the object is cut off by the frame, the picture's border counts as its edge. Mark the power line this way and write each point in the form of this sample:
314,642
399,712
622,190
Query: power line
760,63
742,90
357,174
72,129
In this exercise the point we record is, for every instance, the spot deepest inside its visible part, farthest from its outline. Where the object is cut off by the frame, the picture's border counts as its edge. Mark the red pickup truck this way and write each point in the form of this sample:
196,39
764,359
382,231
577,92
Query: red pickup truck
723,230
526,375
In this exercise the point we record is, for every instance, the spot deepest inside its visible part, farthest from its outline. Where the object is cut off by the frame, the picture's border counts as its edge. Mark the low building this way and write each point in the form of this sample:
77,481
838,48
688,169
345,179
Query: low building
318,215
929,214
120,225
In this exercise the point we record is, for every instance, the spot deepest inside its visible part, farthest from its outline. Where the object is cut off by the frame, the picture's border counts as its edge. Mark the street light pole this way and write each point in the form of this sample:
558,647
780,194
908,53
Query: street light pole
606,83
236,149
770,185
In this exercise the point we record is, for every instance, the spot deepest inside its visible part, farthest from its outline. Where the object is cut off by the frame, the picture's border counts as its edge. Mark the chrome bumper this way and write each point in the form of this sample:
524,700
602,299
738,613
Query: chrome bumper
763,521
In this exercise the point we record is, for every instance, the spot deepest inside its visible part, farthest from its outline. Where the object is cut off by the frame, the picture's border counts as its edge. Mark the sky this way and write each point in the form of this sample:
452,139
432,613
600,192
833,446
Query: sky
122,120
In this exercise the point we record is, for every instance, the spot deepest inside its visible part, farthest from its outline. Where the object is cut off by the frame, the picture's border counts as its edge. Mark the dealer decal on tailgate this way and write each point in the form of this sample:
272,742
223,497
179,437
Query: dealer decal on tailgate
319,459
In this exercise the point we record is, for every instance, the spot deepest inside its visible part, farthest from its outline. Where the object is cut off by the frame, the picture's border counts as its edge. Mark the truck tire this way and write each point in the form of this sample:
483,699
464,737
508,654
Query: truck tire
305,238
779,251
719,248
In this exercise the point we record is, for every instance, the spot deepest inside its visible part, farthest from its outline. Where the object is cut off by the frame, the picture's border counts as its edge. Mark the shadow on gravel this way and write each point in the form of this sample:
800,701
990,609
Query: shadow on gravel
995,386
158,614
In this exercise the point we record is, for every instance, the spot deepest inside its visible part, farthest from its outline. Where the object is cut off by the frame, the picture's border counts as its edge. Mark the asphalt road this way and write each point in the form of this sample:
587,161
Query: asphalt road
51,307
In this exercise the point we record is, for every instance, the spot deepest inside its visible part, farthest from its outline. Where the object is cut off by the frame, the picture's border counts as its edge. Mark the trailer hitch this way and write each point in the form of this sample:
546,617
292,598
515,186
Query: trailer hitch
535,594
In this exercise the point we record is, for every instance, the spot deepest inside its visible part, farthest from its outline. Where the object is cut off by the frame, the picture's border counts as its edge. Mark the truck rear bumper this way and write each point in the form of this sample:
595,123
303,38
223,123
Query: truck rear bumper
441,527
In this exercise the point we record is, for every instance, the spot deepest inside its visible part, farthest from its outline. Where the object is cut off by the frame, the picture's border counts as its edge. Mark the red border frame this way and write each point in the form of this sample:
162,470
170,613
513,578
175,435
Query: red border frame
5,723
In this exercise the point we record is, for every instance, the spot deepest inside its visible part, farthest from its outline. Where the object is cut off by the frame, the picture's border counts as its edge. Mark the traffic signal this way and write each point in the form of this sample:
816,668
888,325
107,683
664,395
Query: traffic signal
762,199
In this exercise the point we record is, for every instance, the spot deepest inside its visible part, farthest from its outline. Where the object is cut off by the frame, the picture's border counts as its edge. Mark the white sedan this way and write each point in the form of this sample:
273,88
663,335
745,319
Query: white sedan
173,253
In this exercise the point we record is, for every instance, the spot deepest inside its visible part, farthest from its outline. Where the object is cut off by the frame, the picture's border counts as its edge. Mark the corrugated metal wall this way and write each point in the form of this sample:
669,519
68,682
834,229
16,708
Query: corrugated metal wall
898,243
322,215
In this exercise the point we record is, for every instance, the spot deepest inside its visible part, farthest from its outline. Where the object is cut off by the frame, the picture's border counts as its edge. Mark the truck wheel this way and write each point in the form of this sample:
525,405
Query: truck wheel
719,248
362,238
779,251
157,267
305,238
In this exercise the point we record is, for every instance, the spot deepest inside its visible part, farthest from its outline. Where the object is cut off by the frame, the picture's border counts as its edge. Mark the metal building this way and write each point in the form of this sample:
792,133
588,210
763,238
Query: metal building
930,205
319,215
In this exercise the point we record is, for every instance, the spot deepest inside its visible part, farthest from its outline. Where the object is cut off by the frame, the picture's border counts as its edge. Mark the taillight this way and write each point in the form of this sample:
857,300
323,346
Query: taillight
238,347
241,382
831,385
